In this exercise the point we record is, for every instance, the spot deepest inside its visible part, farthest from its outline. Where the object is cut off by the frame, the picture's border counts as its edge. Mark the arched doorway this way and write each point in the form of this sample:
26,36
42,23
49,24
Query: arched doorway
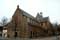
15,34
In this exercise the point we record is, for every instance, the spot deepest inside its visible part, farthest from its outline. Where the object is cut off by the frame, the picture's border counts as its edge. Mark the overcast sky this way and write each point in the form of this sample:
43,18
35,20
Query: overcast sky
49,8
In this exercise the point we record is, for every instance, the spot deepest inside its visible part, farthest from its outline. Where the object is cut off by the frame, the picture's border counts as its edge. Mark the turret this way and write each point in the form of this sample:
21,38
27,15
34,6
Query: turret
39,16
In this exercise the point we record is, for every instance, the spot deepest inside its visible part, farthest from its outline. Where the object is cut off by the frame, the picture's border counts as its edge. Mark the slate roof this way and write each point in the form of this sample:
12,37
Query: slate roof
24,13
46,18
28,15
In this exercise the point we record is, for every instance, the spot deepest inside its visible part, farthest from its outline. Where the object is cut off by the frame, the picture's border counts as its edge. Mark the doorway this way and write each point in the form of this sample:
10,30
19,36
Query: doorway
15,34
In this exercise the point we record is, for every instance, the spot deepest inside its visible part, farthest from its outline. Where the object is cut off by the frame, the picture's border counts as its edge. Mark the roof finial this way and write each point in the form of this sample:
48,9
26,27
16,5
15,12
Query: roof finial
17,6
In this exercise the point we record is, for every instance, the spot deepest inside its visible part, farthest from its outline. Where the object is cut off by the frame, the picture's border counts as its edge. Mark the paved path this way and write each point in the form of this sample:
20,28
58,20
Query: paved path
47,38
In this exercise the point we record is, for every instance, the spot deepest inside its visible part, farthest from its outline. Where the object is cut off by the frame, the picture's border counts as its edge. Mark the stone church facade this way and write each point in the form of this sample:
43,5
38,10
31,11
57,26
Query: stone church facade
25,25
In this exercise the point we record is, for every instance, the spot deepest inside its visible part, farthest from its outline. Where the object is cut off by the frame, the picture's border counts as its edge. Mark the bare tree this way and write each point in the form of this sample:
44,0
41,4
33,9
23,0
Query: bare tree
4,21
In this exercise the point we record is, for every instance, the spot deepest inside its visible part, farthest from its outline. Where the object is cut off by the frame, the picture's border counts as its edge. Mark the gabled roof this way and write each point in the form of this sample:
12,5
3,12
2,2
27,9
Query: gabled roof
27,15
24,12
44,19
30,16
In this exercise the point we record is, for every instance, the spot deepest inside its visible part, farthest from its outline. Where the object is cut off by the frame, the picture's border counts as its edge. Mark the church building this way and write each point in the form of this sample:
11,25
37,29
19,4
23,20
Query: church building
24,25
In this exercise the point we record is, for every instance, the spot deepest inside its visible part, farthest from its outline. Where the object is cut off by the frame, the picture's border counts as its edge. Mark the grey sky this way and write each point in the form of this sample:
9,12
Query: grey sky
49,8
